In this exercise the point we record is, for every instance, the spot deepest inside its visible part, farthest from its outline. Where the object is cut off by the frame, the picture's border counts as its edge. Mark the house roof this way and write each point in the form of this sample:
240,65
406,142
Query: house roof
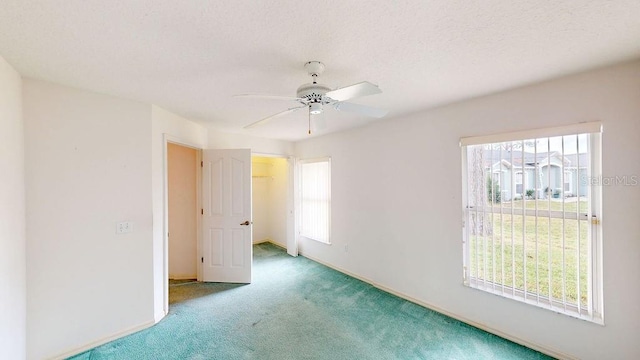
531,159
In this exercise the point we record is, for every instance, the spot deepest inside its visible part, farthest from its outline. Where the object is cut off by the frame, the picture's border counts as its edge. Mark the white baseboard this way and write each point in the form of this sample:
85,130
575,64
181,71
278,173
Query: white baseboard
159,315
534,346
270,241
182,277
276,244
103,341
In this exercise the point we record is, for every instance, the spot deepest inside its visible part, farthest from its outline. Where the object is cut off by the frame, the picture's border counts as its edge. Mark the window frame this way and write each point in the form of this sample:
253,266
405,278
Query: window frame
519,177
518,180
595,300
301,232
567,182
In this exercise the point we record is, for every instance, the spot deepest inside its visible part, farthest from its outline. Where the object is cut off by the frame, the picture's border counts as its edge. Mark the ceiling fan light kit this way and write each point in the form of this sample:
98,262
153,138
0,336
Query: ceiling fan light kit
315,108
314,96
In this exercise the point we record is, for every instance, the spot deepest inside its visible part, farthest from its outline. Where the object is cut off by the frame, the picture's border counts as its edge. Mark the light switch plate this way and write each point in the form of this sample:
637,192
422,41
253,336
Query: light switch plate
124,227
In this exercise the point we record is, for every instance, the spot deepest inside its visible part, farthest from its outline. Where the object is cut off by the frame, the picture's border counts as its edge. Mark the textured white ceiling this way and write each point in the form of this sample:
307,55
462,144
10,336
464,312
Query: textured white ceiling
190,57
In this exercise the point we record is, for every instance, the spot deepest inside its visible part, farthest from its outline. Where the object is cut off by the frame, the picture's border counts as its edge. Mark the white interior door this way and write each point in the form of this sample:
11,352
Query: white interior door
226,233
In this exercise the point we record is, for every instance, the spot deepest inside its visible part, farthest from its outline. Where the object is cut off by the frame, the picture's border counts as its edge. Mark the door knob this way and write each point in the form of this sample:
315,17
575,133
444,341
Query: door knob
246,223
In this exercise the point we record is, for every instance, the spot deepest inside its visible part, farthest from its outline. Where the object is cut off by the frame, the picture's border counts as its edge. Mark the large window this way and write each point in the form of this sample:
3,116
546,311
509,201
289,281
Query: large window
538,243
315,198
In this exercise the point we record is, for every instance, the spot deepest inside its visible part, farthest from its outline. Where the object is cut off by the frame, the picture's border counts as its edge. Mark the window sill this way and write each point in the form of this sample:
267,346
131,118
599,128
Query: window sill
316,240
540,302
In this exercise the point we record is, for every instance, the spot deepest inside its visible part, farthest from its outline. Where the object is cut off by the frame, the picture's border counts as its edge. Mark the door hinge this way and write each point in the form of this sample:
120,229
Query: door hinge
201,163
201,211
202,260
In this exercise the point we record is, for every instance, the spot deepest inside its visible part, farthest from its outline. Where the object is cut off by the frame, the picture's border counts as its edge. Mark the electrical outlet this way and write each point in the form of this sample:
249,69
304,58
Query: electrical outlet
124,227
346,247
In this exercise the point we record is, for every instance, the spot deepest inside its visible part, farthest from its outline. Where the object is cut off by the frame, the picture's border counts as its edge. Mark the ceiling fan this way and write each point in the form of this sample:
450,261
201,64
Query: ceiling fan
316,97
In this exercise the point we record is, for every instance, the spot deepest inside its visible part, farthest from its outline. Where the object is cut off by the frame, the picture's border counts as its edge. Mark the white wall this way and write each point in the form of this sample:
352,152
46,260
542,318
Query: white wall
165,124
88,167
13,286
396,201
221,140
183,200
260,202
278,188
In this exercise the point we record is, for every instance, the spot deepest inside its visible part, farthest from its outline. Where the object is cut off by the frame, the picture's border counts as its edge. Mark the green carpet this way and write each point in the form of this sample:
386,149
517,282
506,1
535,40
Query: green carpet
298,309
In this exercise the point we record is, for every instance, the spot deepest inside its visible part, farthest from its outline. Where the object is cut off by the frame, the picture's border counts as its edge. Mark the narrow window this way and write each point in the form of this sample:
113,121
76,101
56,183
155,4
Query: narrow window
567,183
518,189
315,197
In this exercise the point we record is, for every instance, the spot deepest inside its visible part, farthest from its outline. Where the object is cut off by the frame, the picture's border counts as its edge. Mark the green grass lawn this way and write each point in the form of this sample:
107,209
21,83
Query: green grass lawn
493,256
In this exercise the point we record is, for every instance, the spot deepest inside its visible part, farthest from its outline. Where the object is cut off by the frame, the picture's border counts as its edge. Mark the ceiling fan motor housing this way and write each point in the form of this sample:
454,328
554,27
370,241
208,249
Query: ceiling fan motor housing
314,93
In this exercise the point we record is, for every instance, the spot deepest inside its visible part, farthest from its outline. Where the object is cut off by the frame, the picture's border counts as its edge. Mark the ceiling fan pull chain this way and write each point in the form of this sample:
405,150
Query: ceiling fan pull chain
309,119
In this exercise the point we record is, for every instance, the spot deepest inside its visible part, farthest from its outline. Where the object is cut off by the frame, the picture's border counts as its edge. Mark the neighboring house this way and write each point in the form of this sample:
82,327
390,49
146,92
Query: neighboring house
516,172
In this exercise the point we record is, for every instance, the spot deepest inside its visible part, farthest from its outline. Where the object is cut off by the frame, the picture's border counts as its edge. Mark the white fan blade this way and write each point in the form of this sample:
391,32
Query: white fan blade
272,97
360,109
353,91
259,122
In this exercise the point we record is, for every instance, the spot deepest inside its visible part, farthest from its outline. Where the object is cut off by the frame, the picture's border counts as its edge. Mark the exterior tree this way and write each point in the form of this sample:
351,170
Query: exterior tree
480,224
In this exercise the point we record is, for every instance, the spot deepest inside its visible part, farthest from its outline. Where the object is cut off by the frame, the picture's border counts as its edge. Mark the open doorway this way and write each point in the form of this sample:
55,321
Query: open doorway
270,196
272,217
182,194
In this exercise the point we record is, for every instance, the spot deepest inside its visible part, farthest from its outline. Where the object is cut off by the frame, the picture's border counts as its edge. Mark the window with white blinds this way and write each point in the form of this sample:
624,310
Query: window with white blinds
315,199
532,229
